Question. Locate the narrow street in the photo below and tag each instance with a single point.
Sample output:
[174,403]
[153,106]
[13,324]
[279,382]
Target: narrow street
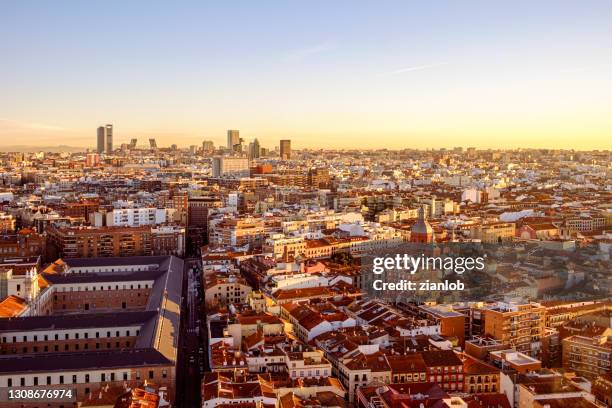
[188,364]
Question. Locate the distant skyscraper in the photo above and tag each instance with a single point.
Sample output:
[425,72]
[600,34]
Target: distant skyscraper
[152,143]
[101,139]
[109,139]
[105,139]
[208,146]
[285,149]
[133,143]
[233,139]
[254,149]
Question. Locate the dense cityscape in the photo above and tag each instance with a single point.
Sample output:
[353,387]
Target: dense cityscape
[139,275]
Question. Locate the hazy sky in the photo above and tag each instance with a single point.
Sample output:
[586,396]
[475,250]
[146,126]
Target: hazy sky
[323,73]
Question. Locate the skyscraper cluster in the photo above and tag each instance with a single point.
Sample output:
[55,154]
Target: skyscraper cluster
[105,139]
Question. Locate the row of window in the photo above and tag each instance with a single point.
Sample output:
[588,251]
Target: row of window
[453,369]
[78,379]
[56,347]
[101,288]
[309,374]
[67,336]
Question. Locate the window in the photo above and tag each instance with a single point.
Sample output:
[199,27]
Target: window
[22,381]
[86,378]
[35,380]
[74,378]
[150,374]
[61,379]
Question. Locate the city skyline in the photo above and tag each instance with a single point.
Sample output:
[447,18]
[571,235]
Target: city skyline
[395,76]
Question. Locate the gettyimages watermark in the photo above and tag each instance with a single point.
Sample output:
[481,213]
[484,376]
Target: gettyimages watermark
[411,265]
[455,272]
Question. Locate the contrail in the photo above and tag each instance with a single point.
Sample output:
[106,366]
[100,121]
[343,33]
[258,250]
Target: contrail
[415,68]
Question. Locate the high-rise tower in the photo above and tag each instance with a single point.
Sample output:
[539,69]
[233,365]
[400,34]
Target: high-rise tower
[101,139]
[109,139]
[233,139]
[285,149]
[105,139]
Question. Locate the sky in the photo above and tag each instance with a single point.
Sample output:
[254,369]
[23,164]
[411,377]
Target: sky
[326,74]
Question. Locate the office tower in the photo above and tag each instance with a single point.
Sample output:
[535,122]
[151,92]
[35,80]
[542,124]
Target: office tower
[152,143]
[230,166]
[101,139]
[105,139]
[254,149]
[208,146]
[109,138]
[285,149]
[133,143]
[233,139]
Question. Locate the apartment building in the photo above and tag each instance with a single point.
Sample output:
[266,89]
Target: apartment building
[445,368]
[226,289]
[135,217]
[280,246]
[480,377]
[310,321]
[589,357]
[494,232]
[519,325]
[585,222]
[237,232]
[89,242]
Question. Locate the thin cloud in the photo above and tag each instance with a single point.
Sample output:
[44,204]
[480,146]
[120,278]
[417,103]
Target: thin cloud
[8,124]
[587,68]
[414,68]
[302,53]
